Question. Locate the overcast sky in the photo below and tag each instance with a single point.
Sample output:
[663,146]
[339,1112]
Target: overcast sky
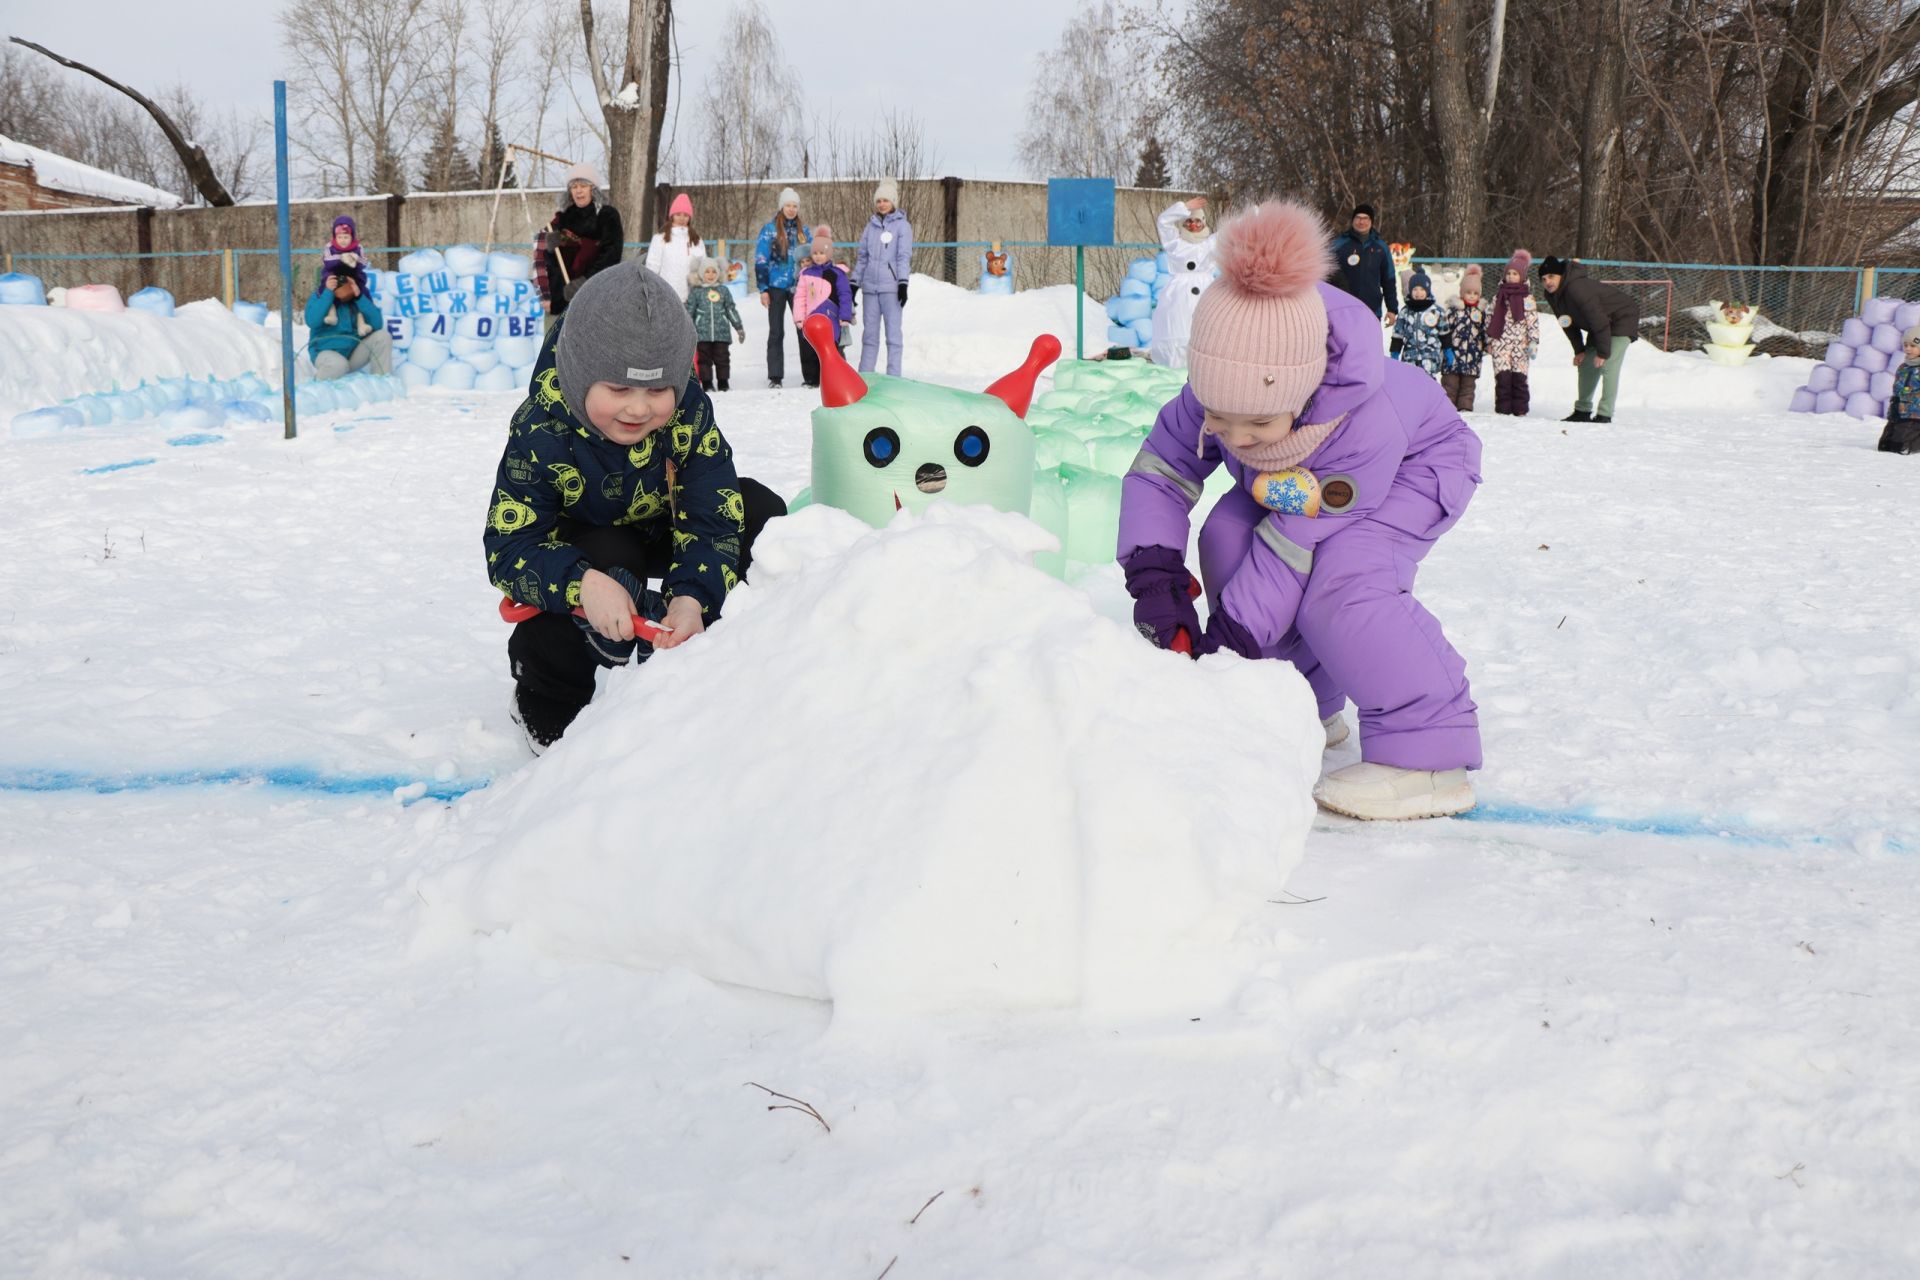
[963,69]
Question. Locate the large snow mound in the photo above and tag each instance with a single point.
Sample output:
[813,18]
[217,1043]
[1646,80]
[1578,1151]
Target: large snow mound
[909,773]
[50,354]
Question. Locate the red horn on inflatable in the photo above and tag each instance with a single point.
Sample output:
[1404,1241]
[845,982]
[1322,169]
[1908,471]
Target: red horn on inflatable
[1016,389]
[839,384]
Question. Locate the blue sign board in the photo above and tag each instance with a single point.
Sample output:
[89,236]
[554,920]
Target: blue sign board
[1080,211]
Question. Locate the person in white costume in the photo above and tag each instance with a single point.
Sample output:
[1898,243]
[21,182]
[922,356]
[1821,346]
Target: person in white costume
[1188,242]
[672,251]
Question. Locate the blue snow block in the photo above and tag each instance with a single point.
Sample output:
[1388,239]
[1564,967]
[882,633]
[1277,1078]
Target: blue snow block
[18,289]
[422,261]
[456,374]
[1160,267]
[1143,330]
[96,410]
[1135,288]
[498,378]
[152,299]
[54,419]
[254,312]
[996,286]
[1142,269]
[1127,310]
[1119,335]
[193,417]
[246,411]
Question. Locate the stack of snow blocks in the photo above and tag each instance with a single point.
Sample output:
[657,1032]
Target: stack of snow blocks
[462,318]
[1856,377]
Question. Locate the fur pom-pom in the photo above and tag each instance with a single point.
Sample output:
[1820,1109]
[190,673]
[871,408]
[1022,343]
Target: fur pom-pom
[1274,249]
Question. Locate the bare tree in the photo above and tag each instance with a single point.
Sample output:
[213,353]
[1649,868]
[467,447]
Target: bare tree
[358,68]
[192,158]
[1080,114]
[629,100]
[742,147]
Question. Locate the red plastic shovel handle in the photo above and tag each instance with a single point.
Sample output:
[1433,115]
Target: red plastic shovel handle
[645,628]
[1182,642]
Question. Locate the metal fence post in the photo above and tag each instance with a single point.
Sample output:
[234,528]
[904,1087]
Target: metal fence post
[286,253]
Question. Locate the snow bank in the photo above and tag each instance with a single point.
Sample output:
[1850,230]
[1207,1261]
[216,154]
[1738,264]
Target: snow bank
[50,354]
[952,332]
[910,773]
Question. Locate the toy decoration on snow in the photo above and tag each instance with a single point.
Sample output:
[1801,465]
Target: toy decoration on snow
[1730,334]
[1186,241]
[1856,377]
[463,319]
[996,271]
[884,444]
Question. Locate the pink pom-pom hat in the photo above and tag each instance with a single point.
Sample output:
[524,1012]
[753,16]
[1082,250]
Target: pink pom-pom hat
[1259,340]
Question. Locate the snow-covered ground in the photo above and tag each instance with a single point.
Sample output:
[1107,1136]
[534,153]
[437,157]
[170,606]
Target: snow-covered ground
[1652,1013]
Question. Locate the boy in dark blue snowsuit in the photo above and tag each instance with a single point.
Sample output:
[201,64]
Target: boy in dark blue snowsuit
[614,473]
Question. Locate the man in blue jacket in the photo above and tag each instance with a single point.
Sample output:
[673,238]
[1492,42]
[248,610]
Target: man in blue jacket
[1363,265]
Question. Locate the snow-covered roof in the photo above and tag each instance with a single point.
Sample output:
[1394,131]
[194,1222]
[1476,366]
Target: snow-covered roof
[61,174]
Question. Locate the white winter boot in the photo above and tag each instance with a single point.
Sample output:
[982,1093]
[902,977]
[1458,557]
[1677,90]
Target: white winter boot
[1382,791]
[1337,731]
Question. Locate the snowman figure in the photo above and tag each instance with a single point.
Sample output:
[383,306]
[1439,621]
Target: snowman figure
[1188,243]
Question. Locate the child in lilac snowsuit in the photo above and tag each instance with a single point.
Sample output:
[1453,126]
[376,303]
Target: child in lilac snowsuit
[1419,326]
[880,270]
[1347,467]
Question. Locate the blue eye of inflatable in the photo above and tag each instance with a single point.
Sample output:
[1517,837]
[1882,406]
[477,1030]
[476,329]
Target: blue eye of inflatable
[971,446]
[881,446]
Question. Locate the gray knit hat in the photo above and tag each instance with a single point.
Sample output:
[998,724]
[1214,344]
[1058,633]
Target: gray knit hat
[625,326]
[887,189]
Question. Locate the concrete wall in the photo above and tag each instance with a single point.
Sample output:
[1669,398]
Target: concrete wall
[940,209]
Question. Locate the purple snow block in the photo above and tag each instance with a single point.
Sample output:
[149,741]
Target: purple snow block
[1862,405]
[1872,359]
[1856,332]
[1851,381]
[1880,310]
[1839,354]
[1823,378]
[1829,402]
[1886,338]
[1907,316]
[1803,401]
[1880,386]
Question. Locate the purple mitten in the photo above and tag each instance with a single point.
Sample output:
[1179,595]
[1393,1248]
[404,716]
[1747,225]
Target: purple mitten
[1158,581]
[1223,633]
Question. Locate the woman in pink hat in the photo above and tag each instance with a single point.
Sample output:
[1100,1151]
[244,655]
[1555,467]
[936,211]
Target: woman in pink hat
[673,250]
[1346,467]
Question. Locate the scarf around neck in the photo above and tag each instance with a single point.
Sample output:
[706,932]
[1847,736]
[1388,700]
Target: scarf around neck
[1289,450]
[1510,299]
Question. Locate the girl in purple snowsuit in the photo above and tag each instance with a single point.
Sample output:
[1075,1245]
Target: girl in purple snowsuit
[1347,468]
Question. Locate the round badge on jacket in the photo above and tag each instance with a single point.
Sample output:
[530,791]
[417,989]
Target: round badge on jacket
[1566,322]
[713,295]
[1353,259]
[886,237]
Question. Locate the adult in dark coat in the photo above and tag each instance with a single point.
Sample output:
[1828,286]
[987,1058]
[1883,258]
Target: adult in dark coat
[585,232]
[1363,265]
[1599,321]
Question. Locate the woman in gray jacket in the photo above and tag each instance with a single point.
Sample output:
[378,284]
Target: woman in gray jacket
[880,270]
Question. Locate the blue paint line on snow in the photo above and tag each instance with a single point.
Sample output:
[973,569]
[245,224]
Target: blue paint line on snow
[375,417]
[283,777]
[1679,827]
[117,466]
[346,426]
[195,438]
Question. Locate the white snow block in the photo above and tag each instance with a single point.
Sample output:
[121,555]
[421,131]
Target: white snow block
[498,378]
[412,375]
[518,351]
[510,266]
[946,813]
[422,262]
[456,375]
[53,420]
[464,259]
[428,353]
